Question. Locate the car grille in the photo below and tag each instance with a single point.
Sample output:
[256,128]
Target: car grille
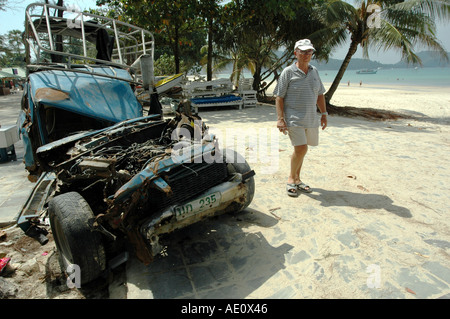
[188,180]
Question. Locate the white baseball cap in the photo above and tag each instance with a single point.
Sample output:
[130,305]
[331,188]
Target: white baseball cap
[303,45]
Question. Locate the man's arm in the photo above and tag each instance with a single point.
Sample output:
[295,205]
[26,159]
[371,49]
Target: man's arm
[281,123]
[323,109]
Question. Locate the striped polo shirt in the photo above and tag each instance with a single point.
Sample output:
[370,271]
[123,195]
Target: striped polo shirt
[300,92]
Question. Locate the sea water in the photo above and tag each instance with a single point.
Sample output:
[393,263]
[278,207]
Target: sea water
[439,77]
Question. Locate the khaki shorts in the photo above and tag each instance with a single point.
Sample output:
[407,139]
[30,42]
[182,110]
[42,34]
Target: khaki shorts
[302,136]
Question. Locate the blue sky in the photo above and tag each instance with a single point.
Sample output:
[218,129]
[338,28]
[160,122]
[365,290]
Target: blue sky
[14,19]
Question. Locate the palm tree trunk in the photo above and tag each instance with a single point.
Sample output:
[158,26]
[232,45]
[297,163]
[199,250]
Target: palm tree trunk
[210,50]
[236,75]
[257,77]
[340,74]
[176,50]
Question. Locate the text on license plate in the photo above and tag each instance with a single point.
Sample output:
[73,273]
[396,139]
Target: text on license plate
[198,205]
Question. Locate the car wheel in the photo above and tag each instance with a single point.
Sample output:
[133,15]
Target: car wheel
[76,242]
[238,164]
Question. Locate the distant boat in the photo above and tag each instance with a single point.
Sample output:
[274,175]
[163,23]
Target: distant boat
[367,71]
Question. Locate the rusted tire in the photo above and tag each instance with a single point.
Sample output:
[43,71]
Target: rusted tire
[76,242]
[238,164]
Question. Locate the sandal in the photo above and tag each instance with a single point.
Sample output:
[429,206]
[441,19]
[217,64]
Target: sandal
[291,190]
[304,188]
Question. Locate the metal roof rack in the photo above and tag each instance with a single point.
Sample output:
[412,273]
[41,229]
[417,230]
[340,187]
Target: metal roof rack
[65,38]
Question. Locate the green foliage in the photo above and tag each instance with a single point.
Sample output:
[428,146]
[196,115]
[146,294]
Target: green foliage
[12,50]
[245,33]
[250,31]
[173,24]
[165,65]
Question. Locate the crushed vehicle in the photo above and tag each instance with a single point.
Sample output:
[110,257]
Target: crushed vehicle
[108,176]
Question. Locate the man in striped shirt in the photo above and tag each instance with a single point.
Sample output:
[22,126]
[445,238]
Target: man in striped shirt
[299,92]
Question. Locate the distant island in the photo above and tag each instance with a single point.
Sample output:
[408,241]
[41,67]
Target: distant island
[429,59]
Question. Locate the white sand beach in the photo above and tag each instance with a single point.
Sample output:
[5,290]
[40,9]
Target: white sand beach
[420,101]
[381,198]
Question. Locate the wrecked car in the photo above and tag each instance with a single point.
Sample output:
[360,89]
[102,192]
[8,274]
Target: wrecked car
[110,170]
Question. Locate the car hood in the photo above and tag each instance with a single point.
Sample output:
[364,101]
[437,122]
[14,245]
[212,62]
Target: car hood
[91,95]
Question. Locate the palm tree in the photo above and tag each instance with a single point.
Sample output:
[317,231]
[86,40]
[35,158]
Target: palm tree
[260,51]
[399,25]
[221,61]
[240,63]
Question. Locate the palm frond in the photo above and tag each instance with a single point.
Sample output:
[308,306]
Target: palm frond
[439,9]
[391,37]
[405,26]
[333,37]
[338,11]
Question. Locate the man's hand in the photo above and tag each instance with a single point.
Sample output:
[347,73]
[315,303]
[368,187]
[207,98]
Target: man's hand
[322,105]
[323,122]
[281,125]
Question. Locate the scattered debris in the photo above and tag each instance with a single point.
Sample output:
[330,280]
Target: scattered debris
[362,188]
[30,266]
[34,272]
[272,212]
[3,263]
[410,291]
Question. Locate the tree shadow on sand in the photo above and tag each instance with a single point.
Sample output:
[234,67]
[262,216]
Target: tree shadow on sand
[247,115]
[358,200]
[367,113]
[351,111]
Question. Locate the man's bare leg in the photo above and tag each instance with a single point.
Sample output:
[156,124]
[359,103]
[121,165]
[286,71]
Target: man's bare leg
[296,163]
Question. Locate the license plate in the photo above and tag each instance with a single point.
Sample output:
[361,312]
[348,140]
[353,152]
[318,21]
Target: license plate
[198,205]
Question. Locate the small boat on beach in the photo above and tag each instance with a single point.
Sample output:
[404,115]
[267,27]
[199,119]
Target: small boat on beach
[166,83]
[163,85]
[367,71]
